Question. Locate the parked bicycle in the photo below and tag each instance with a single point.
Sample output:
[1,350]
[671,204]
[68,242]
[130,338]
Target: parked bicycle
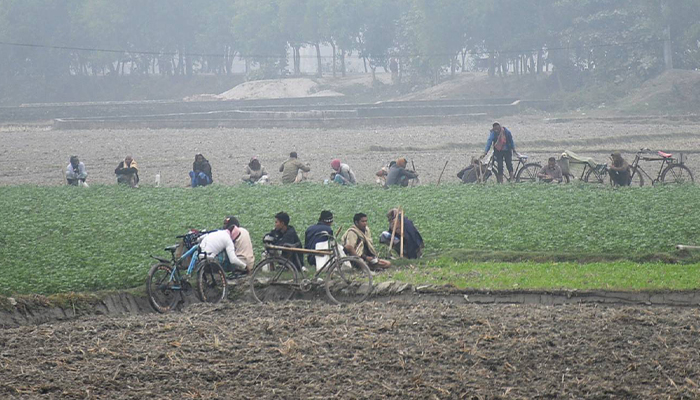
[166,284]
[523,171]
[591,171]
[347,279]
[672,170]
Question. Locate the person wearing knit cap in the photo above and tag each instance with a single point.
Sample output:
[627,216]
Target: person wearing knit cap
[398,174]
[343,173]
[255,172]
[318,233]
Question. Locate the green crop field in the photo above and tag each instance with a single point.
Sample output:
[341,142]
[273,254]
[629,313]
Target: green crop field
[58,239]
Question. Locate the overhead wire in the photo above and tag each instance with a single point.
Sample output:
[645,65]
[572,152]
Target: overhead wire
[271,56]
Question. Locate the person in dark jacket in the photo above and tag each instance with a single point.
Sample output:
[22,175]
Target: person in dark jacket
[285,235]
[412,240]
[317,233]
[201,172]
[128,172]
[398,174]
[619,170]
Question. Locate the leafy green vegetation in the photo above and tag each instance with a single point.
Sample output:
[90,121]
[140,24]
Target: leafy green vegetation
[61,239]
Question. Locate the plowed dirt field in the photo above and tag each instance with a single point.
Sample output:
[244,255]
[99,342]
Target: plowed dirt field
[408,348]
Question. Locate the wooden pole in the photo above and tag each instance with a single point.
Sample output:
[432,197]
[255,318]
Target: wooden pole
[684,247]
[443,171]
[401,248]
[393,233]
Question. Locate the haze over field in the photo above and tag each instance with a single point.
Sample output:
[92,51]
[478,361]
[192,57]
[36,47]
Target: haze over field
[129,50]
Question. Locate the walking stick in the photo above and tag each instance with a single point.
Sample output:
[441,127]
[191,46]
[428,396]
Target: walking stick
[401,251]
[443,171]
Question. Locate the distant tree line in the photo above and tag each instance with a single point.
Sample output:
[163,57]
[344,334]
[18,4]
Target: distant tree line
[600,39]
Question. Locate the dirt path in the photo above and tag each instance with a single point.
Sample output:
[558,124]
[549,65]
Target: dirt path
[397,349]
[38,156]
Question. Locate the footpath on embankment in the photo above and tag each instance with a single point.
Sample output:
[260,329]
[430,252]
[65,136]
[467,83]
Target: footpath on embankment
[38,309]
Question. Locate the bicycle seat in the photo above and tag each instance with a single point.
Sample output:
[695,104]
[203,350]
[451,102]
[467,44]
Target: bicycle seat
[524,157]
[171,248]
[665,155]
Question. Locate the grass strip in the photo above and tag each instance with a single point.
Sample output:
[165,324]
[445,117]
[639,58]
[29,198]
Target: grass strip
[621,275]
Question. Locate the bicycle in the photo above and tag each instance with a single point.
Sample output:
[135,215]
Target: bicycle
[592,172]
[275,278]
[523,172]
[165,281]
[671,170]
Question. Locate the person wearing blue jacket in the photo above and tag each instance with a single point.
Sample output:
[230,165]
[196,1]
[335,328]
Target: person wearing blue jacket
[503,148]
[318,233]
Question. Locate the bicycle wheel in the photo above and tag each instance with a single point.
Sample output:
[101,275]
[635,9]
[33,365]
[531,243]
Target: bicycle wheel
[349,281]
[528,173]
[597,175]
[211,282]
[677,173]
[273,279]
[637,179]
[159,287]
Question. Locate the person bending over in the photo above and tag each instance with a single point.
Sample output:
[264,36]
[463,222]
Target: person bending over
[344,171]
[398,175]
[220,246]
[242,242]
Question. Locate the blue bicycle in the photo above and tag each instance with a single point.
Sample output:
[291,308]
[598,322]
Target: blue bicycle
[166,285]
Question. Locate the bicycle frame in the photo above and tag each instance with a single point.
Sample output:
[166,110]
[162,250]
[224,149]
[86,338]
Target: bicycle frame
[175,275]
[665,162]
[493,169]
[333,254]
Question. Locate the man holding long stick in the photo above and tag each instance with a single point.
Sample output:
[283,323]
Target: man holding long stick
[402,228]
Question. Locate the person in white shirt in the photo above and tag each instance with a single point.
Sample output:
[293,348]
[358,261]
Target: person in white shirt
[241,239]
[219,245]
[75,172]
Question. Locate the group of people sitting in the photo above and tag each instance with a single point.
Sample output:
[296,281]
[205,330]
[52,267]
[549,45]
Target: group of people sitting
[232,246]
[293,171]
[396,173]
